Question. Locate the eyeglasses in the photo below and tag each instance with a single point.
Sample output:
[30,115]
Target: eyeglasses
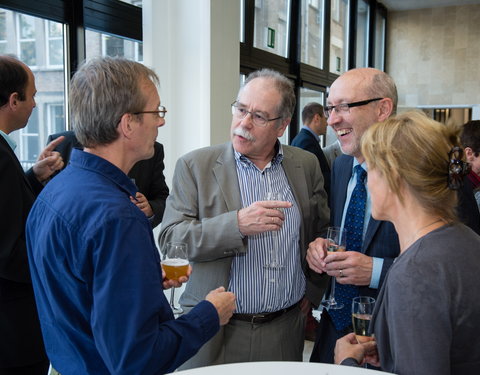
[257,118]
[345,107]
[160,112]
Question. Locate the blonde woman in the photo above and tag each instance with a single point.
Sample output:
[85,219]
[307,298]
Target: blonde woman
[427,316]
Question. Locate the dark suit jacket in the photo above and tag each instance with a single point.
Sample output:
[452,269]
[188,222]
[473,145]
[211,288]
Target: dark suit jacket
[307,141]
[148,174]
[21,342]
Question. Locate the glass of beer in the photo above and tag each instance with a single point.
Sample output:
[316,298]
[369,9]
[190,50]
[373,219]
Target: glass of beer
[362,309]
[175,265]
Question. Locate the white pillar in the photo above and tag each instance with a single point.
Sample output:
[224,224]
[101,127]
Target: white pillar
[194,48]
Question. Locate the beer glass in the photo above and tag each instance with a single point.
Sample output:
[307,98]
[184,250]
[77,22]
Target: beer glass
[337,241]
[175,265]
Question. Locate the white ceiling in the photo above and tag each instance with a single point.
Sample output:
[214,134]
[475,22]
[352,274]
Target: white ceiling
[394,5]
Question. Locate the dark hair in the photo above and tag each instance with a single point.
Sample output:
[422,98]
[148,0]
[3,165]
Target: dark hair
[310,110]
[471,136]
[13,78]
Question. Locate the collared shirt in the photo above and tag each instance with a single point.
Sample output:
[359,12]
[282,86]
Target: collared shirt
[377,262]
[11,142]
[311,131]
[97,278]
[257,287]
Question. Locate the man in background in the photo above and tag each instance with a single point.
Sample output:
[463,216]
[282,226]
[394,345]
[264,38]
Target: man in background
[94,263]
[238,239]
[471,143]
[147,175]
[314,125]
[21,345]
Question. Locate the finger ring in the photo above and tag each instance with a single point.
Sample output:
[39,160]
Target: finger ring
[341,273]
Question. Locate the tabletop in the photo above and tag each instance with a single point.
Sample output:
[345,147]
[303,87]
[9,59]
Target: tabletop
[279,368]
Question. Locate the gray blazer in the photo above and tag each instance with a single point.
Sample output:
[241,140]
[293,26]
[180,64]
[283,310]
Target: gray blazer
[202,211]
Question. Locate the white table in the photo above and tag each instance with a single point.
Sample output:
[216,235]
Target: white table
[279,368]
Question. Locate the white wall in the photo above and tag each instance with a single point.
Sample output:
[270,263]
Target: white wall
[194,48]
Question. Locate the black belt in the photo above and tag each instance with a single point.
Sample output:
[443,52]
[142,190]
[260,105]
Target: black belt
[263,317]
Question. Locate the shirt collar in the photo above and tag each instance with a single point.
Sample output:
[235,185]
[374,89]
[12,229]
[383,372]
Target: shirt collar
[277,159]
[9,140]
[355,163]
[86,160]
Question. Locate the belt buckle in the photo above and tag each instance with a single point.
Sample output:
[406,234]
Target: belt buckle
[255,316]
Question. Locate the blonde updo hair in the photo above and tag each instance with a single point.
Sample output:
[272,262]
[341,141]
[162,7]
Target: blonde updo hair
[413,149]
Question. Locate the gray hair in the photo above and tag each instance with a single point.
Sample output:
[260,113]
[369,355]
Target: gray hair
[101,92]
[382,85]
[284,86]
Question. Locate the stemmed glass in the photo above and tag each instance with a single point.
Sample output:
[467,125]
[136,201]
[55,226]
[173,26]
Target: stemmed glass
[275,248]
[337,241]
[362,309]
[175,265]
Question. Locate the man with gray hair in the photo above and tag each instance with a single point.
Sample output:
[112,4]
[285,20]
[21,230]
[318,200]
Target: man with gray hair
[239,239]
[95,267]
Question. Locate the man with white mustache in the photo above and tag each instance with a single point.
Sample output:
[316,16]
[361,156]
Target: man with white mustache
[236,238]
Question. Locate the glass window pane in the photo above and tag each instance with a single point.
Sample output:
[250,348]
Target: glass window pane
[100,44]
[379,41]
[27,38]
[271,28]
[339,36]
[312,27]
[242,21]
[307,96]
[363,16]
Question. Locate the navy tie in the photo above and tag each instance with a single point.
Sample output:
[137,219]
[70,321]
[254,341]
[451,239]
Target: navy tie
[354,219]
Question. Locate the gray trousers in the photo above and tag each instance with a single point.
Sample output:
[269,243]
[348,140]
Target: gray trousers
[282,339]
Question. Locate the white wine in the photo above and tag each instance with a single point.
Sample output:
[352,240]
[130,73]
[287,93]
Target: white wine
[333,247]
[361,325]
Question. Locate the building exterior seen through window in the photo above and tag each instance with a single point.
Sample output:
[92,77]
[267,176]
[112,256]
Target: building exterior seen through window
[339,36]
[39,43]
[312,30]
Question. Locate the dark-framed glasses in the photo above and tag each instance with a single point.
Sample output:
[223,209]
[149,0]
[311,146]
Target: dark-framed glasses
[457,168]
[258,119]
[160,112]
[345,107]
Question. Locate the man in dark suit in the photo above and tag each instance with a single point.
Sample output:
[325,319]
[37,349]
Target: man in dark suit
[314,125]
[21,345]
[146,174]
[357,99]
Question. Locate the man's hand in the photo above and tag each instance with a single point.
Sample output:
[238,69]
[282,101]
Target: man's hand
[261,216]
[48,161]
[142,203]
[167,283]
[348,347]
[224,302]
[349,267]
[316,253]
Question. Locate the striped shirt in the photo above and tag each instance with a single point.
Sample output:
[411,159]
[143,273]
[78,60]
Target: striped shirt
[257,287]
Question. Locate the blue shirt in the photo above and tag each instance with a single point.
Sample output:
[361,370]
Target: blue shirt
[257,287]
[97,278]
[377,262]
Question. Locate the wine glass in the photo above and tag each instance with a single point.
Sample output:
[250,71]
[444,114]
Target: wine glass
[275,248]
[175,265]
[362,309]
[337,240]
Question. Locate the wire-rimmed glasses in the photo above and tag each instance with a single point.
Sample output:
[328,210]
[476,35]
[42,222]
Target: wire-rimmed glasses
[258,119]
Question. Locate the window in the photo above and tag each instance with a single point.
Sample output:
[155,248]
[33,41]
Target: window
[26,39]
[308,95]
[271,30]
[339,36]
[3,32]
[55,44]
[100,44]
[380,40]
[363,19]
[312,30]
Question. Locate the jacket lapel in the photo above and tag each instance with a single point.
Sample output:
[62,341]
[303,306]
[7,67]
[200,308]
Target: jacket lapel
[226,175]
